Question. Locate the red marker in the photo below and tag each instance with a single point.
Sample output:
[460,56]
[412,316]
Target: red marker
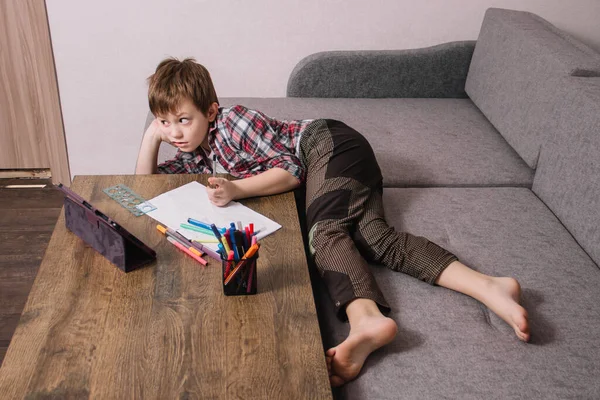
[229,262]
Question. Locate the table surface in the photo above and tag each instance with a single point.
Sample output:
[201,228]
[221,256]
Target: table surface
[166,330]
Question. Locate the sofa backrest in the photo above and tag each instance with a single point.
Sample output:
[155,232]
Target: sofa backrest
[431,72]
[568,175]
[513,75]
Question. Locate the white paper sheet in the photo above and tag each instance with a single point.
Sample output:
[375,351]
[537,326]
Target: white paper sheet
[191,201]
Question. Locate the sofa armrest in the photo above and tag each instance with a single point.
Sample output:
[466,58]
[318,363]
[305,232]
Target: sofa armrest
[437,71]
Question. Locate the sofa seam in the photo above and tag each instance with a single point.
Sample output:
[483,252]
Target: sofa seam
[566,229]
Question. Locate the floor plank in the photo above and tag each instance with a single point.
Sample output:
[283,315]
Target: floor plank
[27,219]
[18,199]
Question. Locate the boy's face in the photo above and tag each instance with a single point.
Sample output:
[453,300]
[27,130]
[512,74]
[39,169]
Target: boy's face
[187,128]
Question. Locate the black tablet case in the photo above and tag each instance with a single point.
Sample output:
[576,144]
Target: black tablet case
[106,236]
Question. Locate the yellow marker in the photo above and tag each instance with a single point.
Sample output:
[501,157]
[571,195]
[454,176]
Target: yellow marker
[206,241]
[225,244]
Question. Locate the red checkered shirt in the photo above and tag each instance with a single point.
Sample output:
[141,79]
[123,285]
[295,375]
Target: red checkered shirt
[246,143]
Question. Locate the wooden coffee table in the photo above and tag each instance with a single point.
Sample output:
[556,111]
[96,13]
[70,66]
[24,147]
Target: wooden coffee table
[166,331]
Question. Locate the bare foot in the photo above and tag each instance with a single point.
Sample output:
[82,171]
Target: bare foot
[502,296]
[499,294]
[345,361]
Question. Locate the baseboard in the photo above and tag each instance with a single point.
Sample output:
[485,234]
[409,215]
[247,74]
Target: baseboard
[31,173]
[25,178]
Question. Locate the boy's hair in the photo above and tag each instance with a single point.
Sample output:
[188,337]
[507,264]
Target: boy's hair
[174,81]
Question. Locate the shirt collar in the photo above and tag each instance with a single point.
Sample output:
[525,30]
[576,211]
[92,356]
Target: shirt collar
[191,155]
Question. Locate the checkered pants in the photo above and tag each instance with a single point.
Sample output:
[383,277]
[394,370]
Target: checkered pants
[345,218]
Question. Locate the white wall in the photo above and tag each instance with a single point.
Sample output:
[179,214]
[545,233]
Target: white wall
[104,51]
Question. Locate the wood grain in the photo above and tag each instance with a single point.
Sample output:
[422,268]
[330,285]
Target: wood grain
[31,126]
[27,219]
[167,331]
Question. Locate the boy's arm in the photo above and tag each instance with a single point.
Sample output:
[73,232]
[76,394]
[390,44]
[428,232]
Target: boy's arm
[148,155]
[272,181]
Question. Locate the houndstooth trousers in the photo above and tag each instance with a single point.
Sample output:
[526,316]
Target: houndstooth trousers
[345,218]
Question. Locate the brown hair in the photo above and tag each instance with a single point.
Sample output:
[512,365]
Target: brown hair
[174,81]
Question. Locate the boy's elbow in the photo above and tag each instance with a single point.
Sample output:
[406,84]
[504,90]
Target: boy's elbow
[283,175]
[283,180]
[293,182]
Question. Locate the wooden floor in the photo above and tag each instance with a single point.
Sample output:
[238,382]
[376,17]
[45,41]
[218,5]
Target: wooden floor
[27,219]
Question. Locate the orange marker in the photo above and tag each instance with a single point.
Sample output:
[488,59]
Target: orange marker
[179,238]
[187,251]
[249,254]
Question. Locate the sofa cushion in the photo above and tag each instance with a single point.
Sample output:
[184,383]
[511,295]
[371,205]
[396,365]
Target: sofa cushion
[512,75]
[448,344]
[568,174]
[417,142]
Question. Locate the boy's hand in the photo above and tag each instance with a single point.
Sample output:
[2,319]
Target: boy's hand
[221,191]
[155,132]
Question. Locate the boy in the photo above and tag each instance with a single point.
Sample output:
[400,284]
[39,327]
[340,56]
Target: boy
[344,208]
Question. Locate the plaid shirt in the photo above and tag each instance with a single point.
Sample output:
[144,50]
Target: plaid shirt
[246,143]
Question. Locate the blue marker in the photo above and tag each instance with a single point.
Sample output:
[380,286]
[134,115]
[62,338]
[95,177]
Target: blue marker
[215,231]
[199,223]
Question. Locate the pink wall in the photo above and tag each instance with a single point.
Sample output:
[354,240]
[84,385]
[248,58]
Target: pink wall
[104,50]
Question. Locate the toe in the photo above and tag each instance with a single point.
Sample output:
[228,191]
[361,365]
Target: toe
[521,322]
[524,336]
[522,330]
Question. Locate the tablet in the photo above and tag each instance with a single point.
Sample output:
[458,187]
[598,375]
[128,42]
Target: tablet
[103,234]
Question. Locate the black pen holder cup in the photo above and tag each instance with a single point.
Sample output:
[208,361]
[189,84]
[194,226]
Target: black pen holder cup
[243,281]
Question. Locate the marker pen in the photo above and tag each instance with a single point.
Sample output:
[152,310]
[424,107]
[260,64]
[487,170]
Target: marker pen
[186,250]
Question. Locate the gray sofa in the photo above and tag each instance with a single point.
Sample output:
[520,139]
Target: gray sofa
[490,148]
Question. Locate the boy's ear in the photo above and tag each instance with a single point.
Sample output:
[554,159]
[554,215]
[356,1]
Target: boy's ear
[212,111]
